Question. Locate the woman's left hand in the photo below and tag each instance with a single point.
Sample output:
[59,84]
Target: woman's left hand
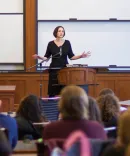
[84,54]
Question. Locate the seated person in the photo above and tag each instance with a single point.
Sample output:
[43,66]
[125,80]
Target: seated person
[122,145]
[73,107]
[5,148]
[106,91]
[94,111]
[10,124]
[110,110]
[28,113]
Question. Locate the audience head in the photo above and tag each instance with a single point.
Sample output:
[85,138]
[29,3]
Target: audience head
[94,111]
[5,148]
[106,91]
[109,106]
[73,103]
[30,109]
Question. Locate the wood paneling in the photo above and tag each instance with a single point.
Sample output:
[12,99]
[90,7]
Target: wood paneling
[30,83]
[7,96]
[30,33]
[25,84]
[119,83]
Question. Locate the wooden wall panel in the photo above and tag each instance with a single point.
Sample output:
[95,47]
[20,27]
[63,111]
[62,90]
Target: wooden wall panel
[105,84]
[123,88]
[30,33]
[119,83]
[20,86]
[27,83]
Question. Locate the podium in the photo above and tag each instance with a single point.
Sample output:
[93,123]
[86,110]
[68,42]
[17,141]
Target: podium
[80,76]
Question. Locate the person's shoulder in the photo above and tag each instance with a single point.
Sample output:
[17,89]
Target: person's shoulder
[53,124]
[7,119]
[67,41]
[94,124]
[51,42]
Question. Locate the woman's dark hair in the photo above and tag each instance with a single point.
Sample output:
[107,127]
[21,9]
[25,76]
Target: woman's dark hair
[109,107]
[30,109]
[56,31]
[94,111]
[5,148]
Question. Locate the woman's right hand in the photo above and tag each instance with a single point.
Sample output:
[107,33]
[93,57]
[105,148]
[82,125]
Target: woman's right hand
[35,56]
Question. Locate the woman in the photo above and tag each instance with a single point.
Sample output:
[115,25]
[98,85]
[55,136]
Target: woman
[10,125]
[73,107]
[94,111]
[28,113]
[110,111]
[106,91]
[58,50]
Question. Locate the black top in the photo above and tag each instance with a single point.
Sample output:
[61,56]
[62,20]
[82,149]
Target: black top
[59,54]
[26,127]
[112,123]
[114,151]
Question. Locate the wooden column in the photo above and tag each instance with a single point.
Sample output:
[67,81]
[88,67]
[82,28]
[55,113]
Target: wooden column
[30,33]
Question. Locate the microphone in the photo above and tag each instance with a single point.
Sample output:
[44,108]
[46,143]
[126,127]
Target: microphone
[59,53]
[60,50]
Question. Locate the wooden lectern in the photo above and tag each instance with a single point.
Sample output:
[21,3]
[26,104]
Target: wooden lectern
[7,97]
[77,76]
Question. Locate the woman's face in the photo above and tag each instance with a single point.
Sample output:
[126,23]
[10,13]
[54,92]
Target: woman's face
[60,33]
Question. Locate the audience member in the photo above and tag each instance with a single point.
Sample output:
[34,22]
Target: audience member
[94,111]
[110,109]
[28,113]
[9,123]
[122,146]
[106,91]
[5,148]
[73,107]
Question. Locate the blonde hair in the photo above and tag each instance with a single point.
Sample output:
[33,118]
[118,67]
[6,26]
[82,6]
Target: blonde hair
[74,103]
[124,128]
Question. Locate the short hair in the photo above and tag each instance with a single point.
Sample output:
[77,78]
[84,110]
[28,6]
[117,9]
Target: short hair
[94,111]
[106,91]
[56,31]
[109,107]
[73,103]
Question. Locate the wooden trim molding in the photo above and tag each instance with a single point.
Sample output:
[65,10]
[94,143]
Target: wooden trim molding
[30,33]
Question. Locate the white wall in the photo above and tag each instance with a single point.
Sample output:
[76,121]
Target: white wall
[83,9]
[11,6]
[109,42]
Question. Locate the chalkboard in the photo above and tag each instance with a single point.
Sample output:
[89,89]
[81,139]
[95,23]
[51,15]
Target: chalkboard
[83,9]
[109,42]
[11,39]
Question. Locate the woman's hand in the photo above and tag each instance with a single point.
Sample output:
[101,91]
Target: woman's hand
[35,56]
[84,54]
